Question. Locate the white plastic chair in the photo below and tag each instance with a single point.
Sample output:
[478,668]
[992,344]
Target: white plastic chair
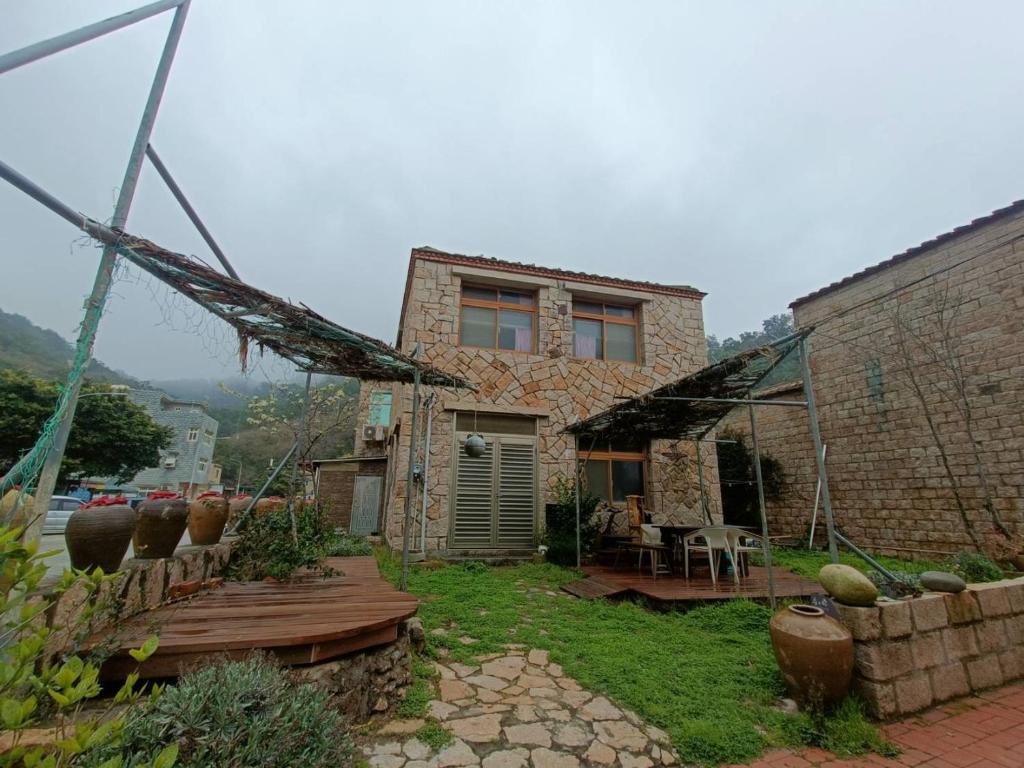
[739,541]
[713,540]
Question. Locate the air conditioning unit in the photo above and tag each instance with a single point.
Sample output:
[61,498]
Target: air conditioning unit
[375,433]
[170,462]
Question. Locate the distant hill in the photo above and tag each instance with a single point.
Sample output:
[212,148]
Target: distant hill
[45,353]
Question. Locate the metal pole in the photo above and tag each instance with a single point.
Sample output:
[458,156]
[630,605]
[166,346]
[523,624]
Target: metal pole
[45,48]
[301,443]
[817,499]
[426,469]
[735,401]
[705,511]
[105,273]
[867,558]
[259,494]
[189,210]
[406,533]
[767,547]
[819,452]
[579,559]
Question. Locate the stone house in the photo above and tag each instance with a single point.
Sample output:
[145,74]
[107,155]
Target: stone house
[918,373]
[545,347]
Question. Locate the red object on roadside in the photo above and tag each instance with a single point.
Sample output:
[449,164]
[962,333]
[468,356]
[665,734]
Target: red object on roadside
[164,495]
[105,501]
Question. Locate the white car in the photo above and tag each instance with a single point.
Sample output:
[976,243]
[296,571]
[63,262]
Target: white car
[61,508]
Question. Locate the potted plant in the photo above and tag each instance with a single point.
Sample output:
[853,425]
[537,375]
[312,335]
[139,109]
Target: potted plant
[97,533]
[160,522]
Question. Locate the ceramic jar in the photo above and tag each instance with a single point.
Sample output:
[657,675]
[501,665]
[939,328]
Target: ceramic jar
[97,534]
[207,516]
[160,522]
[815,654]
[237,506]
[269,504]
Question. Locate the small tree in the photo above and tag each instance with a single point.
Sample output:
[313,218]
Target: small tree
[740,504]
[560,530]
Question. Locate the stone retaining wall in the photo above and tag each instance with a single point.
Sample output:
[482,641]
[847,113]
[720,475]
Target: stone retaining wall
[912,654]
[141,585]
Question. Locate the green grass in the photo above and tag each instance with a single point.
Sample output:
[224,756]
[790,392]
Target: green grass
[708,676]
[434,736]
[807,563]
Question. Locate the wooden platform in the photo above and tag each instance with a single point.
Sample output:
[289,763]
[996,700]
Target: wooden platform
[605,581]
[300,622]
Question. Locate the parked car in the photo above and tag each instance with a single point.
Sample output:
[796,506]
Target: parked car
[61,508]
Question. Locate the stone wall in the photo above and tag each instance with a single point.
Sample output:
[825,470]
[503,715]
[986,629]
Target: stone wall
[911,654]
[551,385]
[141,585]
[373,681]
[887,354]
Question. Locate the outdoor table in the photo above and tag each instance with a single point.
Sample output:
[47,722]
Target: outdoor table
[669,533]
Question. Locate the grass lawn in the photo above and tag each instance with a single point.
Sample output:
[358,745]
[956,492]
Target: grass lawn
[807,563]
[707,677]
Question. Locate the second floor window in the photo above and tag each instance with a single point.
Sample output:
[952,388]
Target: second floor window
[193,434]
[604,331]
[497,318]
[380,409]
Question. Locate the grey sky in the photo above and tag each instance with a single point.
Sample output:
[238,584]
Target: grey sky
[754,150]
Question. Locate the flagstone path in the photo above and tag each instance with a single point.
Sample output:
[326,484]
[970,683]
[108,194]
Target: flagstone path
[515,710]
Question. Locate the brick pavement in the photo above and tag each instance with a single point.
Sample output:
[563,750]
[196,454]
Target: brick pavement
[982,731]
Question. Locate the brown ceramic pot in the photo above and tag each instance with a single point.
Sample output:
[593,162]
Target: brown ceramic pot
[159,524]
[99,536]
[207,516]
[269,504]
[237,506]
[815,654]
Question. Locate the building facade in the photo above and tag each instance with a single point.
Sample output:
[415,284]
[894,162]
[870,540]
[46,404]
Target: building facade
[544,348]
[186,465]
[918,373]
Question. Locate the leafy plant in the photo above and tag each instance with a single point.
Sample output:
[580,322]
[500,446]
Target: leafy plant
[739,481]
[344,545]
[560,528]
[237,713]
[904,585]
[974,567]
[434,736]
[34,686]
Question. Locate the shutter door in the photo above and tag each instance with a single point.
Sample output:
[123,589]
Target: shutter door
[474,499]
[516,493]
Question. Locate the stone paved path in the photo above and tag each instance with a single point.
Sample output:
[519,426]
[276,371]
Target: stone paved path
[515,710]
[981,732]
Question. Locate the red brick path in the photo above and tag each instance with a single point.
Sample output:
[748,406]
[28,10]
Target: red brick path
[983,731]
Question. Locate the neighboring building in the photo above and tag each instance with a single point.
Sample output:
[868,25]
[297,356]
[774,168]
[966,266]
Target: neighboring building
[545,347]
[186,465]
[918,371]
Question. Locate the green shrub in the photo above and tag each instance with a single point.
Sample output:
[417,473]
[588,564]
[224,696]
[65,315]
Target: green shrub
[974,567]
[560,528]
[905,584]
[344,545]
[238,713]
[434,736]
[845,731]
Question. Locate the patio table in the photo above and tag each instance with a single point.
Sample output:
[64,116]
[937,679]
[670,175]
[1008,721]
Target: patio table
[669,533]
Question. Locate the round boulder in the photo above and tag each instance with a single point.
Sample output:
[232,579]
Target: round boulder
[847,585]
[940,581]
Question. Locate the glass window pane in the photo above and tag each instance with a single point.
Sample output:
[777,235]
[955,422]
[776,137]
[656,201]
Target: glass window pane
[596,474]
[516,331]
[615,311]
[477,327]
[380,408]
[588,307]
[482,294]
[588,341]
[627,479]
[626,445]
[621,342]
[514,297]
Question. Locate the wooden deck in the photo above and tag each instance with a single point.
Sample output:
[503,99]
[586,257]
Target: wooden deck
[605,581]
[300,622]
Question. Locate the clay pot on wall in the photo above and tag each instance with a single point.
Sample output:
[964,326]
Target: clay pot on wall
[269,504]
[815,654]
[159,523]
[97,533]
[237,506]
[207,516]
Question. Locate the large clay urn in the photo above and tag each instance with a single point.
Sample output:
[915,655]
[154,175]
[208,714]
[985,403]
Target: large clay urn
[97,533]
[159,523]
[237,506]
[207,516]
[815,654]
[269,504]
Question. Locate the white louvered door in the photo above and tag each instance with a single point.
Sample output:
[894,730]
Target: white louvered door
[495,494]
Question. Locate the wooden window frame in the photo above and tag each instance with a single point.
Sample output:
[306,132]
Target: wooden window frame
[607,456]
[497,305]
[604,318]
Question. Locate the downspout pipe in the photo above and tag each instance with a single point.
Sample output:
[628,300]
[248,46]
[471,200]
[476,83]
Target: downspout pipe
[426,472]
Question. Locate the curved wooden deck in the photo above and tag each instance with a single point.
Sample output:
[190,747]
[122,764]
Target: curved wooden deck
[300,622]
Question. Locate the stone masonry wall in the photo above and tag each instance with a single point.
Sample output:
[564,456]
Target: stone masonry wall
[552,385]
[889,486]
[141,585]
[784,434]
[911,654]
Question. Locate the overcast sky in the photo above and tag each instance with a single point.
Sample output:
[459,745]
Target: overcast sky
[755,150]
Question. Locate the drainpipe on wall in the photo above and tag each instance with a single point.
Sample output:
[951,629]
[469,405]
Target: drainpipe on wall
[429,405]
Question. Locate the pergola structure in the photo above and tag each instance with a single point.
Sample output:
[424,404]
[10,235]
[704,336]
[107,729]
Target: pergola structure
[689,408]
